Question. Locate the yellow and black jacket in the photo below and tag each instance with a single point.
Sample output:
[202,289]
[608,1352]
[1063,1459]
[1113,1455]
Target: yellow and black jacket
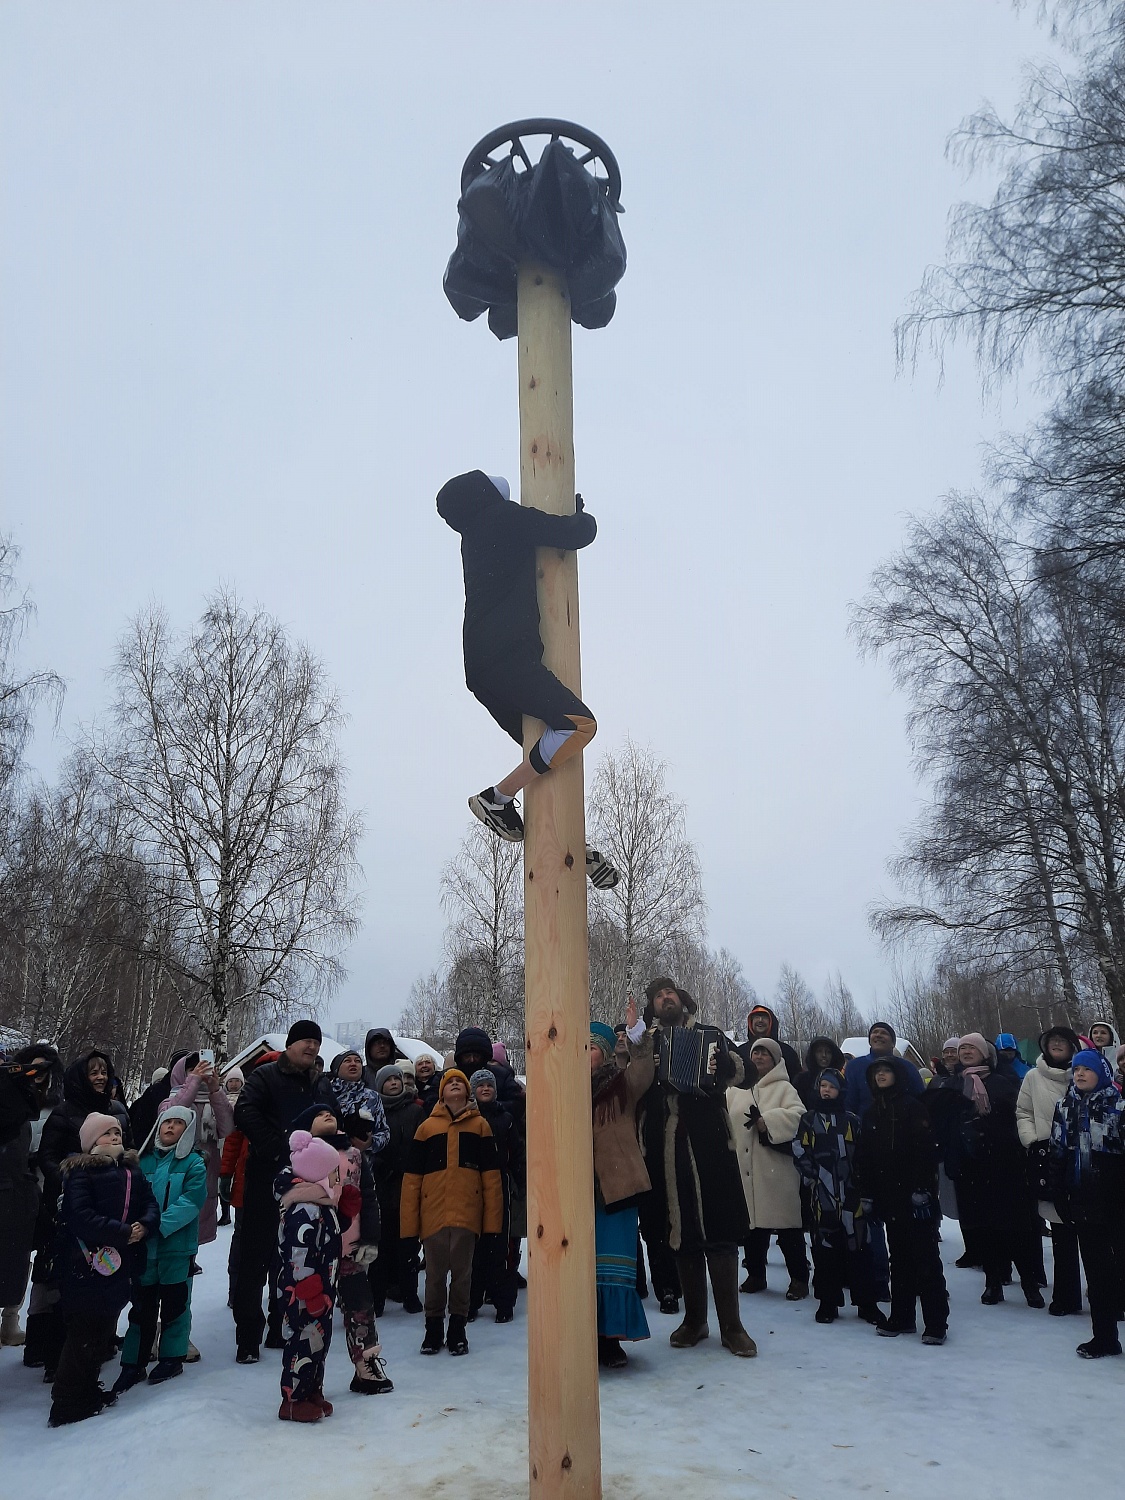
[452,1177]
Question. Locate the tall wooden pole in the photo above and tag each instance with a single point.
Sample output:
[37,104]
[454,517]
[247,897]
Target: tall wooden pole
[563,1414]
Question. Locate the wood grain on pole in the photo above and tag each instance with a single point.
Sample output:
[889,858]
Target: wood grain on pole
[563,1413]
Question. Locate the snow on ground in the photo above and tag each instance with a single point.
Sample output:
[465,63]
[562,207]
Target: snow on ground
[1004,1409]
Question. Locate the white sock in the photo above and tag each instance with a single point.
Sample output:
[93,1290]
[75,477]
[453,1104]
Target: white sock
[501,799]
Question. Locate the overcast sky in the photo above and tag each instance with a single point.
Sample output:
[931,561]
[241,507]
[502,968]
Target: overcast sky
[226,356]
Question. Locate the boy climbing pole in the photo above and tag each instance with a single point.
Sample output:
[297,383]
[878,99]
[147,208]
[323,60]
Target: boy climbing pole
[503,649]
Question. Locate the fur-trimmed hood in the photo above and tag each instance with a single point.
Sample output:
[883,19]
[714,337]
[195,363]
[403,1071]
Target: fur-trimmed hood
[87,1159]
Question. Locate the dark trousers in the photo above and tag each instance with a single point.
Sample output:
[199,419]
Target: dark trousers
[916,1273]
[836,1267]
[491,1278]
[1067,1289]
[233,1254]
[791,1243]
[1103,1256]
[397,1263]
[449,1258]
[168,1305]
[663,1275]
[76,1392]
[1014,1242]
[257,1260]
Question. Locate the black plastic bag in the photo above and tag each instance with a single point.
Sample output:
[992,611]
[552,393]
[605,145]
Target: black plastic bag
[555,212]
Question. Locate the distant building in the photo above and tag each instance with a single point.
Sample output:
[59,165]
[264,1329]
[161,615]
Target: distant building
[351,1034]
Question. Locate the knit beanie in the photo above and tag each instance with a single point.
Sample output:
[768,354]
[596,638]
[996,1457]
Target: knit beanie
[392,1070]
[770,1046]
[886,1026]
[303,1031]
[313,1160]
[334,1066]
[982,1044]
[1091,1058]
[482,1075]
[406,1067]
[446,1076]
[500,1053]
[602,1037]
[950,1041]
[93,1126]
[304,1121]
[236,1073]
[834,1075]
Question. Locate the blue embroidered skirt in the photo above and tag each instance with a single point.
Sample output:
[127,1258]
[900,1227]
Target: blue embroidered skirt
[621,1313]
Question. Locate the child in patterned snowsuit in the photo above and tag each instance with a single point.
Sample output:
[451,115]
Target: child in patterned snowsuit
[312,1198]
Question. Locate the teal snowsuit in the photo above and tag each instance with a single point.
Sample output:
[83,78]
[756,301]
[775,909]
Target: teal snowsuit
[179,1185]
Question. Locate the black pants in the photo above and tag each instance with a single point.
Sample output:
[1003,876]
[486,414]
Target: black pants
[257,1259]
[152,1305]
[397,1262]
[76,1392]
[916,1273]
[491,1277]
[1067,1289]
[1013,1242]
[791,1243]
[1103,1256]
[836,1267]
[661,1262]
[519,684]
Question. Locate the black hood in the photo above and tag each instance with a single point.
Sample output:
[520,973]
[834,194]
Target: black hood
[79,1091]
[381,1031]
[838,1063]
[461,500]
[901,1077]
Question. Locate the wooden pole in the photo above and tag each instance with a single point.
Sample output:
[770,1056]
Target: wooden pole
[563,1415]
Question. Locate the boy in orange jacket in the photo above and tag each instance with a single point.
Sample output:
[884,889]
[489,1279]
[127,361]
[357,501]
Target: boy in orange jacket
[451,1195]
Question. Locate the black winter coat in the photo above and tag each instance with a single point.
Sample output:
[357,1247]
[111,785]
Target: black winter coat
[896,1154]
[982,1153]
[498,542]
[272,1097]
[404,1116]
[692,1163]
[805,1082]
[60,1137]
[93,1211]
[19,1186]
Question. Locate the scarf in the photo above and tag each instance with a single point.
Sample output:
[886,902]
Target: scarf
[1085,1124]
[607,1091]
[972,1080]
[352,1095]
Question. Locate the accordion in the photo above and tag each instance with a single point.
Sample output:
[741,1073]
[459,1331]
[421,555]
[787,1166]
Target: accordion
[684,1056]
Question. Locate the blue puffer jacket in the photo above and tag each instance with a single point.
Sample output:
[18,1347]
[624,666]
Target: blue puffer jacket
[93,1213]
[1007,1042]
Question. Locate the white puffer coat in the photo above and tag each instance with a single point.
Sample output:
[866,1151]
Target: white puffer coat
[769,1177]
[1040,1091]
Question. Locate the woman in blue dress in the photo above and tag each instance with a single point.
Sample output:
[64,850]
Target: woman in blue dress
[620,1180]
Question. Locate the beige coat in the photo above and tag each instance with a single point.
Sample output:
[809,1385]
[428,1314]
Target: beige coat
[1040,1091]
[769,1178]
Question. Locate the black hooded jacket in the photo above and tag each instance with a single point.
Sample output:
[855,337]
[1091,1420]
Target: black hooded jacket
[498,542]
[788,1054]
[896,1154]
[60,1137]
[370,1069]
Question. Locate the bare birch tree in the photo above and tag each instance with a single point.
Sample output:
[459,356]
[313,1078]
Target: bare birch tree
[482,894]
[222,753]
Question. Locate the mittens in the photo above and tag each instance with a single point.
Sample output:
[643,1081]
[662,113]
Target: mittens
[310,1292]
[351,1200]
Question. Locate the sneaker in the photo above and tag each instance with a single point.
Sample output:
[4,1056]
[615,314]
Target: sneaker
[1096,1350]
[892,1330]
[435,1336]
[670,1304]
[934,1336]
[502,817]
[455,1340]
[166,1369]
[599,870]
[363,1386]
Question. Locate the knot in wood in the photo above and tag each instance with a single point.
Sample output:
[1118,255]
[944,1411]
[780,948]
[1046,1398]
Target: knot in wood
[565,1243]
[567,1461]
[569,861]
[539,1233]
[553,1033]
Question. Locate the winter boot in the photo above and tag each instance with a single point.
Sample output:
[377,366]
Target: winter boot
[992,1295]
[317,1398]
[455,1340]
[611,1356]
[410,1303]
[693,1283]
[827,1312]
[435,1336]
[165,1369]
[371,1378]
[12,1335]
[723,1269]
[1098,1349]
[669,1304]
[130,1376]
[935,1337]
[798,1291]
[193,1356]
[299,1411]
[871,1312]
[753,1283]
[1032,1295]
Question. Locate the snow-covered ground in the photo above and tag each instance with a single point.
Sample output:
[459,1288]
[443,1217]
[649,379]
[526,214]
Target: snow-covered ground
[1005,1409]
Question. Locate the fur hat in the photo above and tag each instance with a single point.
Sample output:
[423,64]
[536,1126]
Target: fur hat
[313,1160]
[482,1075]
[94,1125]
